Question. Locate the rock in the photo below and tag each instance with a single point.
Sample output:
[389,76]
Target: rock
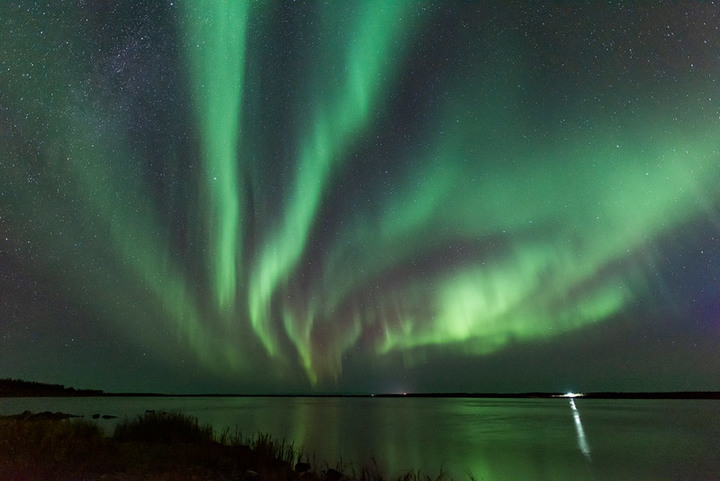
[96,416]
[301,467]
[43,416]
[109,416]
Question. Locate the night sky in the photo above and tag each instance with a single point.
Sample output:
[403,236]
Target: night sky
[378,196]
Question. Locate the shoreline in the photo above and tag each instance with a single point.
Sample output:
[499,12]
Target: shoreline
[155,446]
[20,388]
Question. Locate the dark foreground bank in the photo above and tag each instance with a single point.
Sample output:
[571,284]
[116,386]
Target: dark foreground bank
[156,446]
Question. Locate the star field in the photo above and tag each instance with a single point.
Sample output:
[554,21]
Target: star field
[360,196]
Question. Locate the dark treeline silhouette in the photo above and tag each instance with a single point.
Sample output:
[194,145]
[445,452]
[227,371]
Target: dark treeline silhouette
[20,388]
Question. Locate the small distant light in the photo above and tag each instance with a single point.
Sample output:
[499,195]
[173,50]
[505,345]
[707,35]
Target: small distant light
[573,394]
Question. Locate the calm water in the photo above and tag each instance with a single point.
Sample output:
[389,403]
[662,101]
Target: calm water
[496,439]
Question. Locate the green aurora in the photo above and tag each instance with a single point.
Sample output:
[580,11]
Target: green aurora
[277,197]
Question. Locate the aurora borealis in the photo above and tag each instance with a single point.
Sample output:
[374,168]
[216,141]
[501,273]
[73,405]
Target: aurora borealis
[360,196]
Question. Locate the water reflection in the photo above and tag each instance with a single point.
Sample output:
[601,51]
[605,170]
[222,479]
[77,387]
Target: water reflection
[582,440]
[490,439]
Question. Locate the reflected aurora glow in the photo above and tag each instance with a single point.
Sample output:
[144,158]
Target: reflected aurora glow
[332,196]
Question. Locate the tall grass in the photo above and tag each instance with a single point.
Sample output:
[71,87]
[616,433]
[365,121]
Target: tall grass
[159,446]
[265,447]
[41,449]
[261,453]
[164,428]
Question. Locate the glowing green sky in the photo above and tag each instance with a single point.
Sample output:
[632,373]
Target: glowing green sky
[360,196]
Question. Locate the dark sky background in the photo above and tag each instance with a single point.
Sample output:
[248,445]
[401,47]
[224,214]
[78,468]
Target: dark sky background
[207,196]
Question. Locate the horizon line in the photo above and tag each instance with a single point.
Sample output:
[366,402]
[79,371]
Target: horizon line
[528,394]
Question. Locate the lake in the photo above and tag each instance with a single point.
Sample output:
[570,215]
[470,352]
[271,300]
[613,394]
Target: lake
[464,438]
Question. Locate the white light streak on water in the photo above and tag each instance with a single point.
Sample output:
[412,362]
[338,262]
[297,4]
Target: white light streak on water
[582,440]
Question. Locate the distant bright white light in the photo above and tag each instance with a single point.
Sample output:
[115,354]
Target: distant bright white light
[573,394]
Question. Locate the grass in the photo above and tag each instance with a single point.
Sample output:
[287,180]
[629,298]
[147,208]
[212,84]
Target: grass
[38,449]
[156,446]
[163,428]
